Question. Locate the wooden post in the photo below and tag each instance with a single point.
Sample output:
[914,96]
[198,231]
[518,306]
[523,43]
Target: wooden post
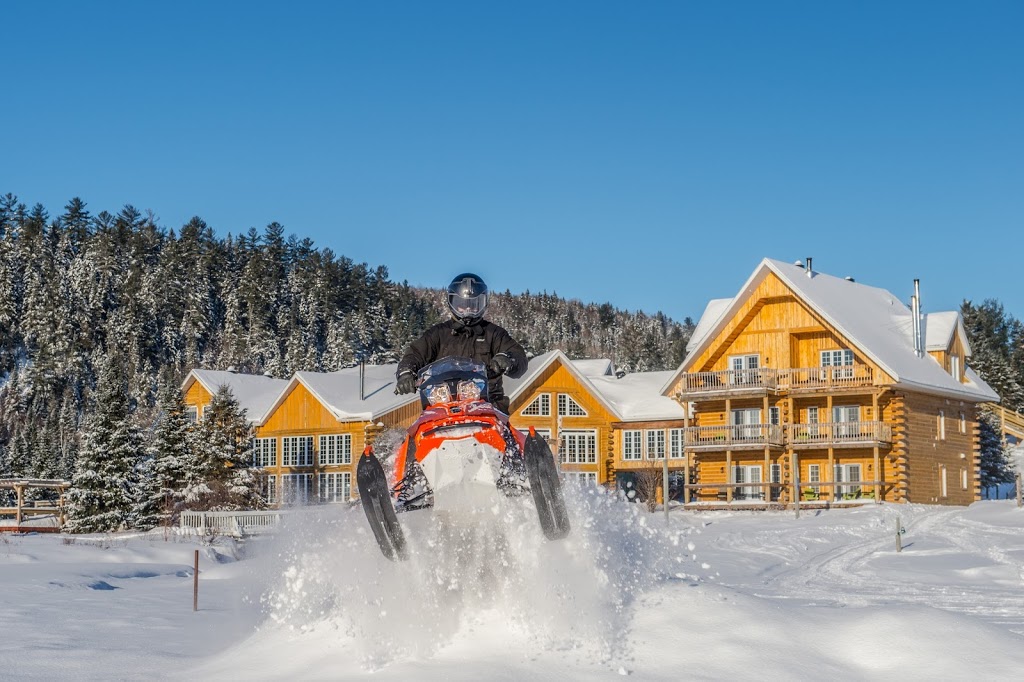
[20,490]
[728,475]
[795,459]
[195,583]
[899,535]
[686,477]
[877,458]
[664,482]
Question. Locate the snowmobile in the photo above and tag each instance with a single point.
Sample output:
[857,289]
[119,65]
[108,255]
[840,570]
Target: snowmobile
[456,455]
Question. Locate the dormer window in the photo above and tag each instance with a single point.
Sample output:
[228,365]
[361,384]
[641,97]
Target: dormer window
[954,366]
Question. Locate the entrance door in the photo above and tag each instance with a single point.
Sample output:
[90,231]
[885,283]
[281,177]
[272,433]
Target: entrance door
[846,419]
[747,423]
[744,369]
[849,473]
[747,474]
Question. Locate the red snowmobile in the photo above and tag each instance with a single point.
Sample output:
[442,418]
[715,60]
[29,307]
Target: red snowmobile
[459,451]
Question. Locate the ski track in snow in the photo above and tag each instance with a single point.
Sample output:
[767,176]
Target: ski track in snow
[846,573]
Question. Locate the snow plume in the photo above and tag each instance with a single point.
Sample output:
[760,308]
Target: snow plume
[488,574]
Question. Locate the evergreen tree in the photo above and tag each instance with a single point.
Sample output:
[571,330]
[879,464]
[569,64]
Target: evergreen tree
[168,455]
[102,496]
[221,476]
[996,467]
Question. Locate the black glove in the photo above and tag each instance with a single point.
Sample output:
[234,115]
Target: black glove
[406,383]
[500,364]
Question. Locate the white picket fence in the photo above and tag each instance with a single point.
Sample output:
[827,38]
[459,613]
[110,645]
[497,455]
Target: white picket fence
[235,523]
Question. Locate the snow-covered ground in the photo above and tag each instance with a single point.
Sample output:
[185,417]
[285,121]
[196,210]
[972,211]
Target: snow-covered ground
[716,595]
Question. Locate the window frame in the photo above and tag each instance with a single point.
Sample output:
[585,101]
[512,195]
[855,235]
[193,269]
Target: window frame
[543,403]
[259,452]
[303,456]
[570,403]
[334,487]
[339,456]
[579,442]
[289,497]
[676,443]
[652,443]
[632,445]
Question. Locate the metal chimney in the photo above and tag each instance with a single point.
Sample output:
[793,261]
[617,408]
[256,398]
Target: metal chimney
[918,327]
[810,273]
[362,380]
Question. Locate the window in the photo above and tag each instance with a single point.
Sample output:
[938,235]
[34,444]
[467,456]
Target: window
[744,369]
[773,416]
[942,425]
[954,366]
[846,418]
[567,407]
[963,479]
[540,407]
[747,474]
[297,451]
[264,452]
[632,446]
[676,448]
[812,419]
[747,423]
[963,423]
[814,473]
[943,481]
[578,447]
[841,362]
[848,473]
[581,478]
[543,433]
[655,444]
[335,487]
[775,474]
[295,488]
[269,489]
[192,414]
[336,449]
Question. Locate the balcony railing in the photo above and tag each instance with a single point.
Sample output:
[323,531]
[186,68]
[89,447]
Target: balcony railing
[737,381]
[746,435]
[838,433]
[729,381]
[816,378]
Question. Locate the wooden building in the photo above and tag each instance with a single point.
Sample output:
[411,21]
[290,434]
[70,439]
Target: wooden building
[309,429]
[604,428]
[809,379]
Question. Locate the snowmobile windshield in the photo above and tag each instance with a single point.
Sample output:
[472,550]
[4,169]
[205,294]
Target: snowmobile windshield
[452,378]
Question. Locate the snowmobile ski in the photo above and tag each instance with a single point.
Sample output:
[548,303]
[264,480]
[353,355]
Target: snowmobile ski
[376,498]
[546,487]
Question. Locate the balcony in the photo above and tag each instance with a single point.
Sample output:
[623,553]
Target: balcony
[733,437]
[746,382]
[729,382]
[826,378]
[839,434]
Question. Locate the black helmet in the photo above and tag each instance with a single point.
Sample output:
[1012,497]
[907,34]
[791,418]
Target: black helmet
[467,297]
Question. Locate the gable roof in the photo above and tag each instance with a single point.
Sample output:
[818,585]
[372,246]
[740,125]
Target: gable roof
[339,392]
[255,393]
[633,397]
[872,319]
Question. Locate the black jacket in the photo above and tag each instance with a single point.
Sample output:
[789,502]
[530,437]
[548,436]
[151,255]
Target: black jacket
[480,342]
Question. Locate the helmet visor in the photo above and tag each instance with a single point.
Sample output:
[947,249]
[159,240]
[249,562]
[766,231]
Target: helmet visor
[467,307]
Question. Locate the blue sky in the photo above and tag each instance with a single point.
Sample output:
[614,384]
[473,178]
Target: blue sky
[646,154]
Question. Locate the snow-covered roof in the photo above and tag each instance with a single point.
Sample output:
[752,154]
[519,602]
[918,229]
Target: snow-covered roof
[255,393]
[634,397]
[872,319]
[596,367]
[713,311]
[339,391]
[637,396]
[939,329]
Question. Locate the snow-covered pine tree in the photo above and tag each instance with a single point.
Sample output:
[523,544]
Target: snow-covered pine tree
[226,479]
[996,467]
[103,489]
[169,452]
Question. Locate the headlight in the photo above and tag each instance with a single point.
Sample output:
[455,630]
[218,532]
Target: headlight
[438,394]
[470,390]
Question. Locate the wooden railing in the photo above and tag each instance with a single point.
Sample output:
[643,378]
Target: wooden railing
[235,523]
[730,380]
[731,436]
[848,376]
[733,381]
[838,433]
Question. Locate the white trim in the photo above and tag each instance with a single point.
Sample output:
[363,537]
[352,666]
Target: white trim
[577,446]
[335,486]
[296,489]
[264,452]
[296,451]
[570,403]
[543,403]
[334,448]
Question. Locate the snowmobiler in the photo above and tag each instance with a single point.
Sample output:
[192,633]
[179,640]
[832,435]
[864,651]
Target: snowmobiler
[456,455]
